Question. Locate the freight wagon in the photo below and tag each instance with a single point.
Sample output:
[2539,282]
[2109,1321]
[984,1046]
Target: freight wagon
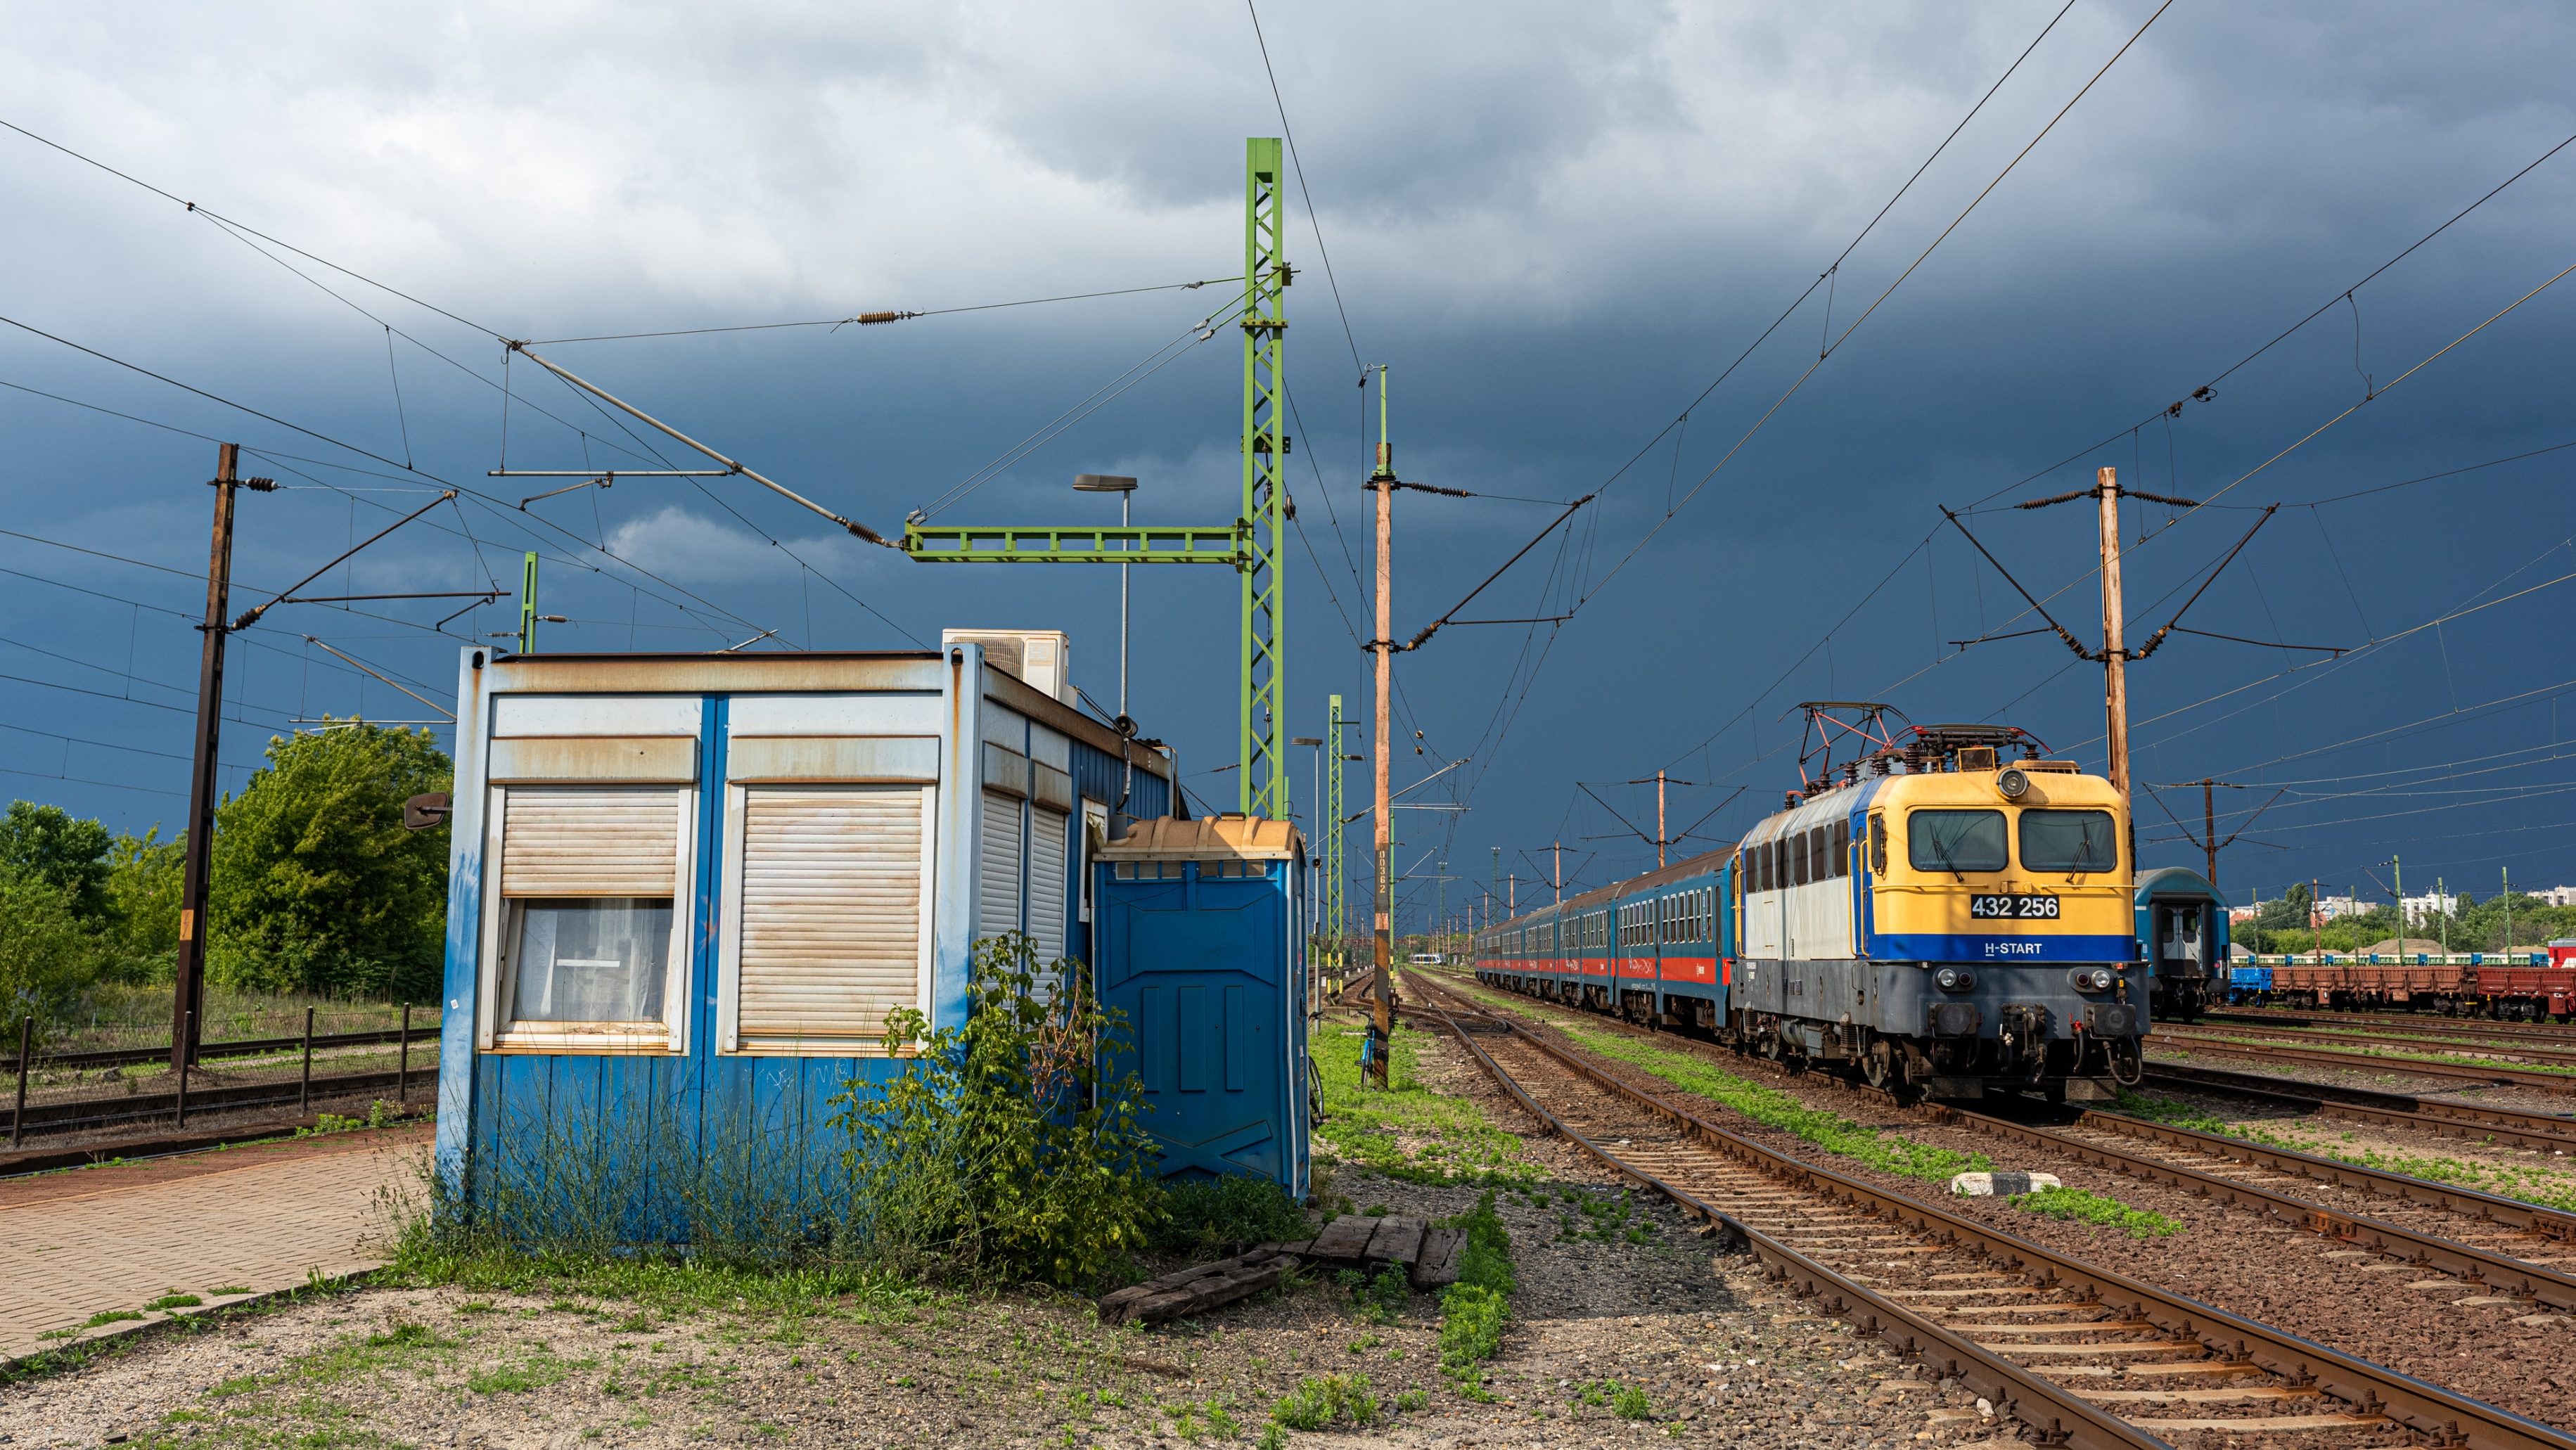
[2525,986]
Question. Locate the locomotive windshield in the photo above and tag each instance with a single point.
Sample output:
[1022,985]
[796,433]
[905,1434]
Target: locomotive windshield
[2068,841]
[1956,840]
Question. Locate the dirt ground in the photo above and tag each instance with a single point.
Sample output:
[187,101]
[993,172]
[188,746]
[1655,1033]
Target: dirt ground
[1616,1293]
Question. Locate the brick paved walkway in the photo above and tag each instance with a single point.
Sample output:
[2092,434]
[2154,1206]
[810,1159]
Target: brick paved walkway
[106,1239]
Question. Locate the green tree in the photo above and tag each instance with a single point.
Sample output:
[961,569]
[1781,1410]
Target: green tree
[49,955]
[144,874]
[317,887]
[59,848]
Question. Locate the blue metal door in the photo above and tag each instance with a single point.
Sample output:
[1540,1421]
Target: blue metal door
[1200,968]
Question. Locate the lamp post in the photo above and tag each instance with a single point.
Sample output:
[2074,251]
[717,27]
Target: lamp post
[1125,487]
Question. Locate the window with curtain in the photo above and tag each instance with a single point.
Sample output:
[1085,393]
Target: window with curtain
[588,884]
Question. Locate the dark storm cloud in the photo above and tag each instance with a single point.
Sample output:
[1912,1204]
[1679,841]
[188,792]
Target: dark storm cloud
[1557,224]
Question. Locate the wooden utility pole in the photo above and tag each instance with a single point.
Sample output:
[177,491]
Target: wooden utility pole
[2209,827]
[1660,842]
[2115,657]
[187,1009]
[1382,483]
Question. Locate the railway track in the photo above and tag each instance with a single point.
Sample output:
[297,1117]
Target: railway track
[2546,1032]
[2499,1074]
[219,1051]
[2546,1132]
[87,1114]
[2082,1356]
[2556,1055]
[2496,1247]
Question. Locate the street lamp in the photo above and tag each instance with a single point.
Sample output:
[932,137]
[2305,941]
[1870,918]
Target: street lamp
[1125,487]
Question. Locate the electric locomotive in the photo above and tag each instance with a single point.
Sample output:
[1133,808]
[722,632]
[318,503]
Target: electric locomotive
[1936,919]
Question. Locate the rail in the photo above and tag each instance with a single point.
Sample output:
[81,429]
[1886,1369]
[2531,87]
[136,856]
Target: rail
[86,1113]
[2441,1117]
[427,1027]
[2355,1061]
[2425,1408]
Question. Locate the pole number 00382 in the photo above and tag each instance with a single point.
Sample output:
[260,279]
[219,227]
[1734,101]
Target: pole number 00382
[2013,908]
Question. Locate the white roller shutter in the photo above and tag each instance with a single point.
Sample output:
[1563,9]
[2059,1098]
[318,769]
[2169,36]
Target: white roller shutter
[831,936]
[997,874]
[590,841]
[1049,831]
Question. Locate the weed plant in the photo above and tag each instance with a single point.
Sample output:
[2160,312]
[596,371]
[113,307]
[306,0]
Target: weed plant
[1218,1215]
[1324,1400]
[1474,1310]
[1000,1153]
[2075,1203]
[1007,1151]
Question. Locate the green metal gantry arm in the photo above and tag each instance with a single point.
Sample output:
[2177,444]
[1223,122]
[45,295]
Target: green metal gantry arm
[1251,544]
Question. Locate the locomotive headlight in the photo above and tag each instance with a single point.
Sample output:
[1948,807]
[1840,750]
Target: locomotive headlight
[2092,979]
[2013,783]
[1954,979]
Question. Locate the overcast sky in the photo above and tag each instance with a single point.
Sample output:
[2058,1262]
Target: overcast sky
[1556,224]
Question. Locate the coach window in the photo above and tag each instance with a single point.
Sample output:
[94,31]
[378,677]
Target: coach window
[1955,840]
[1842,848]
[2069,841]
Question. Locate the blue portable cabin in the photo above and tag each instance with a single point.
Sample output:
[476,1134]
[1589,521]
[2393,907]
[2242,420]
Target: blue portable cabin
[2182,934]
[1200,945]
[685,891]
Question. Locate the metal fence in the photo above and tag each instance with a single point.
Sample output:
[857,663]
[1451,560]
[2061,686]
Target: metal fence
[114,1079]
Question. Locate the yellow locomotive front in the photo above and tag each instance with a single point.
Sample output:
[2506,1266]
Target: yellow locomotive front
[1975,935]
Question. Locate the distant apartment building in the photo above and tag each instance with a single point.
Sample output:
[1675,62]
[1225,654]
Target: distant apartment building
[2558,895]
[2330,907]
[2434,903]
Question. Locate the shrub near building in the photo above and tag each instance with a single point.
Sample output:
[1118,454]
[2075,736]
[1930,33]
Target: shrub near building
[317,887]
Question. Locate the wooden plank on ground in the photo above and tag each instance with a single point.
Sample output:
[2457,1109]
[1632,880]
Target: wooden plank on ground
[1437,1263]
[1343,1240]
[1398,1240]
[1195,1290]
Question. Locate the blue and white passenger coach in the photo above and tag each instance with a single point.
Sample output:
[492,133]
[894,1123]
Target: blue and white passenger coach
[1936,919]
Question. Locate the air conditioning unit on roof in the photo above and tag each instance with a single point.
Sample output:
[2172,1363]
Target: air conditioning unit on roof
[1042,659]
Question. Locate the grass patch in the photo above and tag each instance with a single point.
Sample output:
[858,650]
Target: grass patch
[542,1367]
[172,1301]
[2547,1187]
[2076,1204]
[1228,1212]
[109,1316]
[222,1290]
[1628,1402]
[1324,1400]
[1474,1310]
[1885,1151]
[1450,1137]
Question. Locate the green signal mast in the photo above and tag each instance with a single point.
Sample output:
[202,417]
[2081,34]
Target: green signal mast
[1251,544]
[1337,902]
